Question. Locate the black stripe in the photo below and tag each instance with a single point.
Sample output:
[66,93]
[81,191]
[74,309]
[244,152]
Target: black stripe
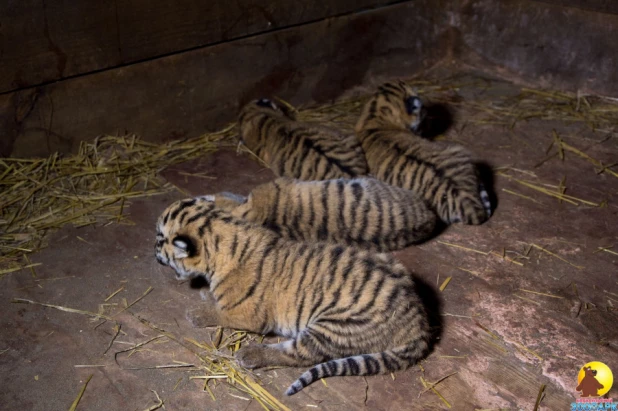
[323,229]
[314,374]
[311,210]
[341,198]
[392,299]
[244,250]
[301,307]
[183,216]
[354,369]
[202,229]
[335,257]
[371,364]
[348,268]
[182,206]
[295,226]
[332,161]
[332,368]
[303,382]
[275,209]
[388,362]
[380,214]
[406,222]
[391,219]
[258,277]
[364,225]
[299,253]
[234,245]
[197,216]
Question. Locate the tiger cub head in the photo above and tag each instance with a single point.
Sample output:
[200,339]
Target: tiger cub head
[179,232]
[395,104]
[252,115]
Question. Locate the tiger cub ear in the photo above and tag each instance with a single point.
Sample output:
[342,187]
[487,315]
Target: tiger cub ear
[183,247]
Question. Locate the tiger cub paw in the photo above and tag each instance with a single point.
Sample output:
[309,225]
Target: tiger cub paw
[252,356]
[202,317]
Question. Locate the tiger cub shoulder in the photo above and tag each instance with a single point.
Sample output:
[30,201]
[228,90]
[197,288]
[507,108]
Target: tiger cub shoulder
[298,149]
[361,211]
[443,173]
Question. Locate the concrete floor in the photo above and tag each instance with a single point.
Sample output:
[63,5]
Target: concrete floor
[499,342]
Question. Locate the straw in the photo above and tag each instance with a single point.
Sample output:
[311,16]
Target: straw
[93,186]
[80,395]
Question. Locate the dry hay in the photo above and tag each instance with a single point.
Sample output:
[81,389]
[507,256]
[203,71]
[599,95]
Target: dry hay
[92,186]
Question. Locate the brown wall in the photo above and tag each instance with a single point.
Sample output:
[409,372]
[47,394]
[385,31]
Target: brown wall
[186,94]
[70,71]
[560,43]
[49,40]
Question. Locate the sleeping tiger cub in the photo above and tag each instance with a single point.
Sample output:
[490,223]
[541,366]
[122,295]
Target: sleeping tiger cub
[299,150]
[350,311]
[443,173]
[362,211]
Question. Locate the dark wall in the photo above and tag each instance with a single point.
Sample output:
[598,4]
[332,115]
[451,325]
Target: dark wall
[49,40]
[70,71]
[191,92]
[566,44]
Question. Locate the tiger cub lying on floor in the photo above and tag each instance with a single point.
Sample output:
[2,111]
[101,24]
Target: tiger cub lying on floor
[350,311]
[299,150]
[362,211]
[442,172]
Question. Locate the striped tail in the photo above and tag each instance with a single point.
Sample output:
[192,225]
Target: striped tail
[396,359]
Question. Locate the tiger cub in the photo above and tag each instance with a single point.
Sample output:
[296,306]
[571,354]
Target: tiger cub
[442,172]
[345,311]
[362,211]
[299,150]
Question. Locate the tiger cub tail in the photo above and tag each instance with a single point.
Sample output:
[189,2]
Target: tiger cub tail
[395,359]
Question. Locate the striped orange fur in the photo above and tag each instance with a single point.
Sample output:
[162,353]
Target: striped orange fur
[345,311]
[442,172]
[362,211]
[296,149]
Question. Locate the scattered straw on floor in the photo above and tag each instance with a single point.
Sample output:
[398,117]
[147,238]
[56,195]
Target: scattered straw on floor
[40,195]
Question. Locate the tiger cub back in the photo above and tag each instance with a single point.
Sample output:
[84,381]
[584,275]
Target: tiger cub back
[299,150]
[345,311]
[442,172]
[361,211]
